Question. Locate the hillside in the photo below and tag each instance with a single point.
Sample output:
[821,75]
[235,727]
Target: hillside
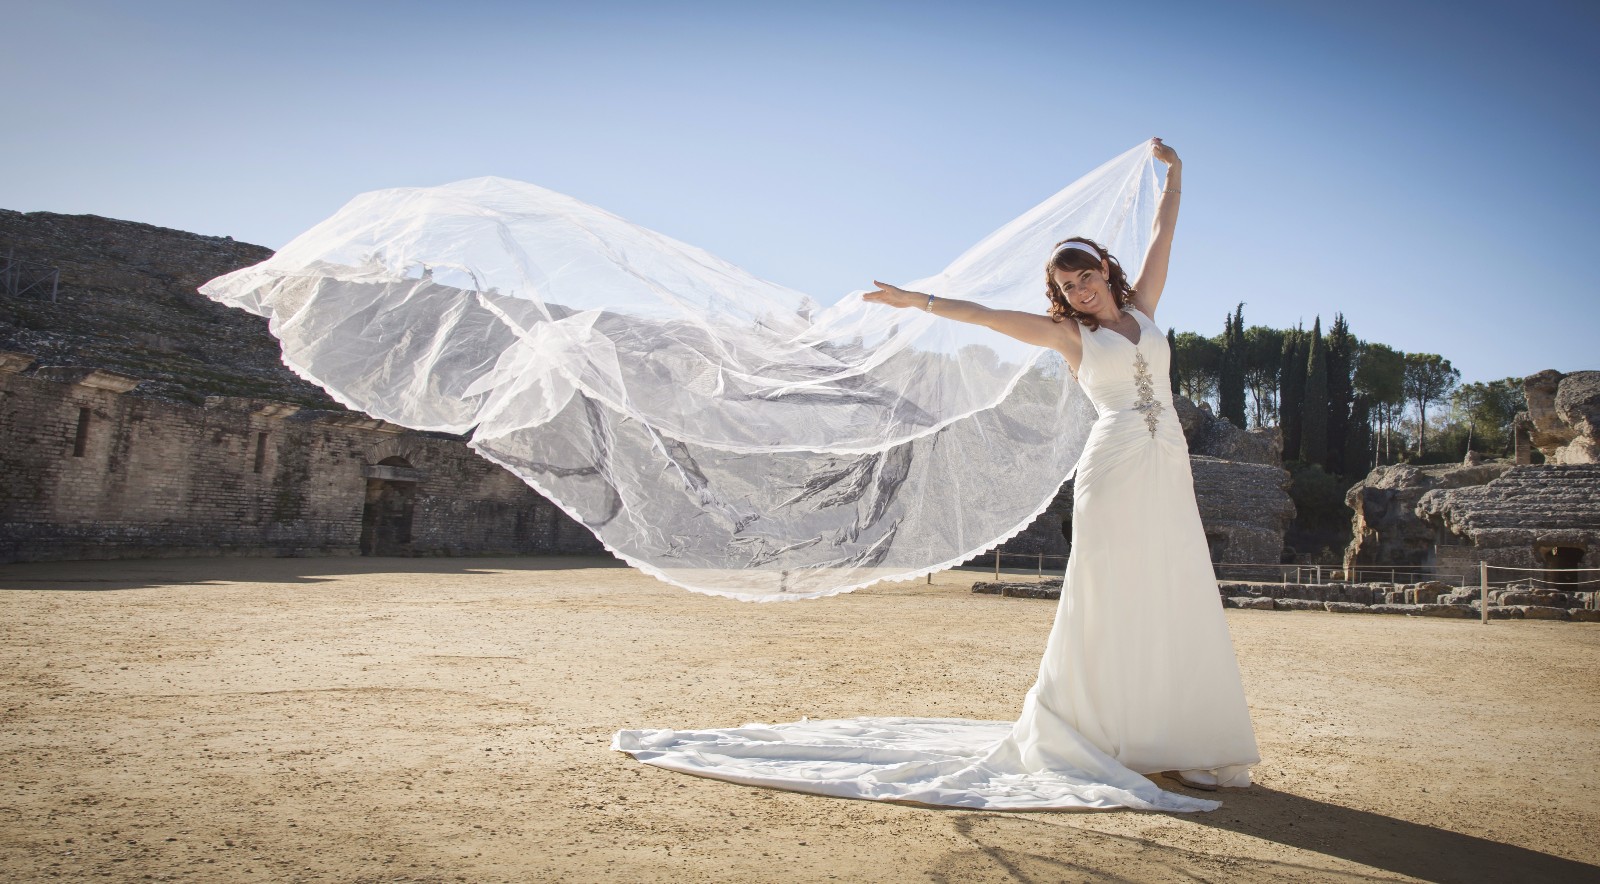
[127,303]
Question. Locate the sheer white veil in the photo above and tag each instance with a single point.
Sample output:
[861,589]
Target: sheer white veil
[718,431]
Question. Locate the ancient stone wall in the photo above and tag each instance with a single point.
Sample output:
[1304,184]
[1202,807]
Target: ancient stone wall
[1563,416]
[1386,528]
[1544,517]
[87,472]
[1245,508]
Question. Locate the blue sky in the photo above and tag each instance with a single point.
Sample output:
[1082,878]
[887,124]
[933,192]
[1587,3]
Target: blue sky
[1428,168]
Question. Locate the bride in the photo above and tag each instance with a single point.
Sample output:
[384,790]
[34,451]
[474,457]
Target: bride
[1139,674]
[726,434]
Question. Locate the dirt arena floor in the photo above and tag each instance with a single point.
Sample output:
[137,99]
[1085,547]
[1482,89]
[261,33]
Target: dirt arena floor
[450,720]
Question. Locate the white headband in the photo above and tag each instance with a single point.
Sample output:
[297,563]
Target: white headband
[1082,247]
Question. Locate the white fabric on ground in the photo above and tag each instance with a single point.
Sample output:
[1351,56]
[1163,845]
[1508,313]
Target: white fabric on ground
[1139,674]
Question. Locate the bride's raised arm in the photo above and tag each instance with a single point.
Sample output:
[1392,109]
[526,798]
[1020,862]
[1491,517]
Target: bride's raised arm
[1153,274]
[1030,328]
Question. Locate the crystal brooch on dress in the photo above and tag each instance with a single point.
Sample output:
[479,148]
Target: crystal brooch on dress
[1147,400]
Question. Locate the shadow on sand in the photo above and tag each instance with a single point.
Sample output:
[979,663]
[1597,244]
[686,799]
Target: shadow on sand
[1009,843]
[121,574]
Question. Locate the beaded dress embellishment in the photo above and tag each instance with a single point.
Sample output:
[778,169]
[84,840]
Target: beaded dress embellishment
[1147,401]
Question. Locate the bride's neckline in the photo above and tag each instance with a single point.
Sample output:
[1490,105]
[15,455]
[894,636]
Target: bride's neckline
[1137,324]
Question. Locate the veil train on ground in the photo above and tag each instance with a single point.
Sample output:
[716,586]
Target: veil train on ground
[715,430]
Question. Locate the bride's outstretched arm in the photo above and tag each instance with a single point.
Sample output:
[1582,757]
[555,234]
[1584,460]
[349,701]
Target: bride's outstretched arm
[1030,328]
[1153,275]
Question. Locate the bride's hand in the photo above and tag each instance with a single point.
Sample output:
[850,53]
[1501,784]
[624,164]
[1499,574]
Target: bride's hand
[893,296]
[1164,153]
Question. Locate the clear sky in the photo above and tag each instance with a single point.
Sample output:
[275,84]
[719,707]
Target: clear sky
[1428,168]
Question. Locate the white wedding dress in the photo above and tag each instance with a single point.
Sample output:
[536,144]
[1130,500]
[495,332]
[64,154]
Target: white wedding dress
[1139,674]
[732,436]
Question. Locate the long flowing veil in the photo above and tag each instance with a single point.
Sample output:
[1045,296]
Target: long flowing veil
[718,431]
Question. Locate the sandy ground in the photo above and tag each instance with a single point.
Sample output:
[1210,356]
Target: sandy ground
[449,720]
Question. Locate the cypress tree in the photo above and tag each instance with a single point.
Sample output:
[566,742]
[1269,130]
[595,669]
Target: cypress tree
[1230,396]
[1341,393]
[1358,437]
[1172,362]
[1292,391]
[1314,418]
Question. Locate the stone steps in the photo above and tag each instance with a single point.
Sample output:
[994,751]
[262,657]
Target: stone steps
[1572,610]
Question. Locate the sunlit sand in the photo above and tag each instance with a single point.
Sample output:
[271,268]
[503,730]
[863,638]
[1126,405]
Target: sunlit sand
[449,719]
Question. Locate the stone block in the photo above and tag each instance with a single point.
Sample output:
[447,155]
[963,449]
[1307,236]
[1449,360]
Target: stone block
[1393,609]
[1586,615]
[1347,608]
[1031,590]
[1541,612]
[1447,610]
[1299,605]
[1260,603]
[1426,593]
[12,362]
[1464,596]
[93,378]
[1549,598]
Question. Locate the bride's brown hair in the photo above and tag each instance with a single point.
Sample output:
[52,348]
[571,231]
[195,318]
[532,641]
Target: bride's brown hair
[1078,259]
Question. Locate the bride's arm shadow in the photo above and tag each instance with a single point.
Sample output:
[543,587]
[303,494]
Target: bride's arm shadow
[1033,847]
[1388,843]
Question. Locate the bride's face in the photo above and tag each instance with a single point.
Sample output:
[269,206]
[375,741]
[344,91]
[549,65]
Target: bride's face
[1086,290]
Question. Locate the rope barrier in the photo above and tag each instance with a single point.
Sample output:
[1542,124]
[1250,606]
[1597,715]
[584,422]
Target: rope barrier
[1540,570]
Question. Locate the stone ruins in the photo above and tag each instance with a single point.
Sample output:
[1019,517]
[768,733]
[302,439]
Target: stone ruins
[1518,515]
[142,419]
[90,471]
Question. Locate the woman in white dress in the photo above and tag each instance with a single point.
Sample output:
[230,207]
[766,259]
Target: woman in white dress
[1139,674]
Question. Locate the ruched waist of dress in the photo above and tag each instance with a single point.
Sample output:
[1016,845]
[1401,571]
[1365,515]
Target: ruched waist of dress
[1129,419]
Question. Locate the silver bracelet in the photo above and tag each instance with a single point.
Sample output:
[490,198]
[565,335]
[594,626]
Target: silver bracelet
[929,308]
[1172,191]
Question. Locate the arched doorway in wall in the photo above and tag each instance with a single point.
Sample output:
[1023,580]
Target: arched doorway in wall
[1217,543]
[391,500]
[1559,560]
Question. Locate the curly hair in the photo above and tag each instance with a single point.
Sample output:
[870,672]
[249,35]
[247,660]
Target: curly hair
[1077,259]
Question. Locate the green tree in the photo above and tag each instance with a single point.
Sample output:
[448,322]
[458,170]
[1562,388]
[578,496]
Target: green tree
[1489,408]
[1429,378]
[1292,391]
[1197,362]
[1341,393]
[1358,437]
[1230,393]
[1172,363]
[1380,378]
[1314,419]
[1263,348]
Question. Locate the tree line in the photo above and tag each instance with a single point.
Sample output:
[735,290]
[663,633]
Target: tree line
[1341,403]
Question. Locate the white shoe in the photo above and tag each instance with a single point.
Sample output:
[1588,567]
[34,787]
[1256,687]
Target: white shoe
[1204,780]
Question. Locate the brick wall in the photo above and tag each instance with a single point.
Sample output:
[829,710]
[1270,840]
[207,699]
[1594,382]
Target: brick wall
[87,472]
